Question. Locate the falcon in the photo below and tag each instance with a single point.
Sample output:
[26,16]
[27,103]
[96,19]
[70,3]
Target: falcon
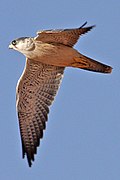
[47,56]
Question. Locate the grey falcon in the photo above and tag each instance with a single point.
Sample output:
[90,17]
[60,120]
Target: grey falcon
[47,55]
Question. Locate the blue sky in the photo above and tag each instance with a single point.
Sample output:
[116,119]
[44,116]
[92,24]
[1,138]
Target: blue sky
[82,139]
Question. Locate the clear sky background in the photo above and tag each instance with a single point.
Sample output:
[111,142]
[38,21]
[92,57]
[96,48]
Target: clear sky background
[82,139]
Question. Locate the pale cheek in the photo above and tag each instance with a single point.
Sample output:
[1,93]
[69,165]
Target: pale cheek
[21,47]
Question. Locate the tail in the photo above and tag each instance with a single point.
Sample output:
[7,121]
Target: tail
[89,64]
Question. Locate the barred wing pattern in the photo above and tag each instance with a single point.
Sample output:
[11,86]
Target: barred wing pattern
[35,92]
[65,36]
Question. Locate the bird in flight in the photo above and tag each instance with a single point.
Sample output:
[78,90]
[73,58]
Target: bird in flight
[47,56]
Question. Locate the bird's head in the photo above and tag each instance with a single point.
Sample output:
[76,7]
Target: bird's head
[23,44]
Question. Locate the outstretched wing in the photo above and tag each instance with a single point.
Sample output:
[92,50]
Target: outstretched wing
[66,36]
[35,92]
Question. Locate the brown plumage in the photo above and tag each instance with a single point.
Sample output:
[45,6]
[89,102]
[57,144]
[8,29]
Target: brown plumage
[67,37]
[47,55]
[35,93]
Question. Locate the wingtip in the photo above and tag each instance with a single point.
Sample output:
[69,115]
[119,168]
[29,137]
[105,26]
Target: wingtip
[108,69]
[91,27]
[88,26]
[29,162]
[83,24]
[28,159]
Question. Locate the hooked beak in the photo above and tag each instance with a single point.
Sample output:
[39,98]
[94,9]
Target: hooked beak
[10,46]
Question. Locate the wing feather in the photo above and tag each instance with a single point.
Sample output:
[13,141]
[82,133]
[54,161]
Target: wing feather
[66,36]
[35,92]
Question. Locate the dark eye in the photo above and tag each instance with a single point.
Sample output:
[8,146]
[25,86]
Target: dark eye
[14,42]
